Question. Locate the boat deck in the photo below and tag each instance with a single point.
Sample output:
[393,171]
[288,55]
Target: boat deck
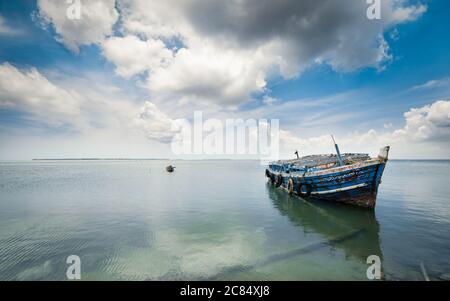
[317,161]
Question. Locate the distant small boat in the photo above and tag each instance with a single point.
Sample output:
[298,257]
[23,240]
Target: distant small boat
[349,178]
[170,168]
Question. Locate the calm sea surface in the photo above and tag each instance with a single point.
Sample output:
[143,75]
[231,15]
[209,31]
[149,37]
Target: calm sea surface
[215,220]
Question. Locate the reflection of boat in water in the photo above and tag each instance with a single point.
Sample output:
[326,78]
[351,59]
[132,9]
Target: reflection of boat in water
[330,220]
[349,178]
[350,229]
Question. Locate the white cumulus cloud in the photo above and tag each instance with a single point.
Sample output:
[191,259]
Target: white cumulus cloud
[80,103]
[210,76]
[228,50]
[426,133]
[431,122]
[229,55]
[32,92]
[96,22]
[155,124]
[133,56]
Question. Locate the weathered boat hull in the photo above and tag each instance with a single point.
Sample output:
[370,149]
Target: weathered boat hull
[355,184]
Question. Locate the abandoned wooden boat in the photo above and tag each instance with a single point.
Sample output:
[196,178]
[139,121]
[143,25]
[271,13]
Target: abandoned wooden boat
[348,178]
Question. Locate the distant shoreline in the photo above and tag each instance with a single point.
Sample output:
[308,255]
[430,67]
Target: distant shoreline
[100,159]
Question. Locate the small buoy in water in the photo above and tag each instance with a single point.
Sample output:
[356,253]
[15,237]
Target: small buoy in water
[170,168]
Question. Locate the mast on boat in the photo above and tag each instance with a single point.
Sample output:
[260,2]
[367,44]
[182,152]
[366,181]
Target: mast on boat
[337,151]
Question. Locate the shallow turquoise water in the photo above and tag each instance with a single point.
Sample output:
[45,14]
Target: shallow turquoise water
[214,220]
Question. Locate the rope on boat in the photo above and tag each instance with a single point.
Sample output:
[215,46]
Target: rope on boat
[291,186]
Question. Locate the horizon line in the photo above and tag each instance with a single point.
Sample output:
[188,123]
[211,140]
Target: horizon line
[180,159]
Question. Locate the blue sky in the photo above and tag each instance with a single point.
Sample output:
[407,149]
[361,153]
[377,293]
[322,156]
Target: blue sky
[315,98]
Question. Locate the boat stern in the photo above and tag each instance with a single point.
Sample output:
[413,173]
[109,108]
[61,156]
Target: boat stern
[362,194]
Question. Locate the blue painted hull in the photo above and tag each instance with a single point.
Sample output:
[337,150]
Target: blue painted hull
[354,185]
